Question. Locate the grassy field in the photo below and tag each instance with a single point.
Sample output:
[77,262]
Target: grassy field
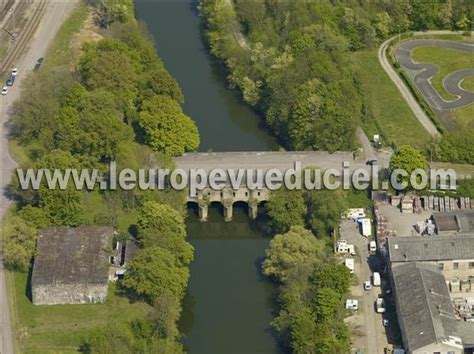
[60,52]
[468,84]
[389,111]
[63,328]
[447,60]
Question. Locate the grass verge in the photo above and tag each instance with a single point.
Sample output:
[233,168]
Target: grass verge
[63,328]
[389,111]
[468,84]
[60,52]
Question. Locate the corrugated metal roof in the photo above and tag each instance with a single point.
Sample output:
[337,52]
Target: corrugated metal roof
[431,248]
[425,312]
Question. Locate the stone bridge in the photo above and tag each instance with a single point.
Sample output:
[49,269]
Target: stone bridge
[280,160]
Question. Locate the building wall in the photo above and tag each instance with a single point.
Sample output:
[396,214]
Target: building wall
[69,294]
[437,348]
[465,268]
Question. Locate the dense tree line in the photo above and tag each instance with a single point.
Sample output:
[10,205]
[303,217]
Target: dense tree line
[312,290]
[312,286]
[295,64]
[318,210]
[118,102]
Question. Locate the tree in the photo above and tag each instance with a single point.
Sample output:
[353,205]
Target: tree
[286,208]
[295,251]
[332,276]
[324,210]
[20,244]
[107,65]
[304,332]
[108,11]
[408,159]
[62,207]
[155,272]
[166,128]
[160,225]
[326,303]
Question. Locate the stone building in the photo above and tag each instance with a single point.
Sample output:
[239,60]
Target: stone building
[72,265]
[453,255]
[425,312]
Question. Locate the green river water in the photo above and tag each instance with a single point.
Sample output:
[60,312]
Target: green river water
[229,304]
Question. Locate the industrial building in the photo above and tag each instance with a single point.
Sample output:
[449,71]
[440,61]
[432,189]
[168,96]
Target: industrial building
[426,315]
[453,255]
[72,265]
[455,222]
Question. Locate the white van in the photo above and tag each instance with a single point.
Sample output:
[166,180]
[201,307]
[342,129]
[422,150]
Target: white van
[349,263]
[372,246]
[376,279]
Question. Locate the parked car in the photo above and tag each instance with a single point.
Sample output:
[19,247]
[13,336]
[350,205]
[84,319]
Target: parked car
[376,281]
[380,305]
[367,285]
[385,322]
[10,80]
[4,90]
[38,64]
[15,72]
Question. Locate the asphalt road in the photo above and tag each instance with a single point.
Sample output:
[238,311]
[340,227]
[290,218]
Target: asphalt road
[281,160]
[375,338]
[53,17]
[426,71]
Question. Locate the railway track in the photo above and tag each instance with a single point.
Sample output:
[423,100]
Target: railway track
[13,17]
[22,40]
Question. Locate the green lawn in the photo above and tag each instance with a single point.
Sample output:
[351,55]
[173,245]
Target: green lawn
[60,52]
[468,83]
[447,60]
[389,111]
[465,116]
[62,328]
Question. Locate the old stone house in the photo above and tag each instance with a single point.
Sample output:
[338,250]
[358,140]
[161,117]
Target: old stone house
[72,265]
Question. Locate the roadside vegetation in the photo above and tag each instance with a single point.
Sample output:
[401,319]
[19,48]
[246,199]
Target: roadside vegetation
[94,101]
[386,111]
[294,62]
[312,284]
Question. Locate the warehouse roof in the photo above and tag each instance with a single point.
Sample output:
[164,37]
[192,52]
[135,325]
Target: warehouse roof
[461,221]
[431,248]
[72,255]
[425,311]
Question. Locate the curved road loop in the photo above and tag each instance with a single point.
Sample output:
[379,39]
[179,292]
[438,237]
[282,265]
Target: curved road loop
[426,71]
[405,91]
[32,44]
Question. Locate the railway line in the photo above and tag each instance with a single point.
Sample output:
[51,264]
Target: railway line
[22,40]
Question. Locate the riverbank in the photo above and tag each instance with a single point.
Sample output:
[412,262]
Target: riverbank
[72,113]
[229,304]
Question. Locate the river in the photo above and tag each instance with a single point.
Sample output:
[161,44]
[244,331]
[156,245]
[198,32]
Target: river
[229,305]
